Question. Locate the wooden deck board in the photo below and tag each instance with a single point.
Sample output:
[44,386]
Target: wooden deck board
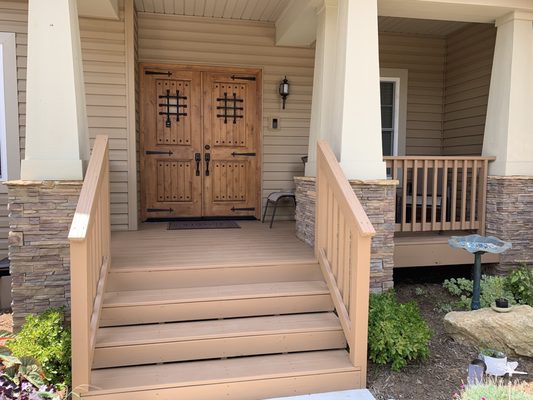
[156,247]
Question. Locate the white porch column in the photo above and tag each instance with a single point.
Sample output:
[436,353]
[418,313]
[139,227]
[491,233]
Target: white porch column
[508,128]
[356,134]
[323,79]
[56,122]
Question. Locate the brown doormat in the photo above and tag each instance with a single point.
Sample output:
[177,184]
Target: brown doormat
[181,225]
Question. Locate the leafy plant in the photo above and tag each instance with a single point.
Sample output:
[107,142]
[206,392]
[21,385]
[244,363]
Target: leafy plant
[492,288]
[23,378]
[397,333]
[520,283]
[492,353]
[46,338]
[494,390]
[443,307]
[419,291]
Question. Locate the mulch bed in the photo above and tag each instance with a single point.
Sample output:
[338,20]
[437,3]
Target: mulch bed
[443,373]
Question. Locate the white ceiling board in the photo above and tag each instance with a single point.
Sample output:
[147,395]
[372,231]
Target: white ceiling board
[251,10]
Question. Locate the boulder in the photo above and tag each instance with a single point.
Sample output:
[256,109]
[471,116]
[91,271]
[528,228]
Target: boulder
[511,332]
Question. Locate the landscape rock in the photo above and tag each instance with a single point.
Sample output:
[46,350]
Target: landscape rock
[511,332]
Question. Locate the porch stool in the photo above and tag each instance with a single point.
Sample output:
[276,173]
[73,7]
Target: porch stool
[274,198]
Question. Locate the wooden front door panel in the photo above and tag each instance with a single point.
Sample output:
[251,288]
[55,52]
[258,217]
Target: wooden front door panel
[219,121]
[231,135]
[169,142]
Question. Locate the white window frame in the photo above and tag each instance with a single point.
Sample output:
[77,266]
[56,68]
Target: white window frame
[399,78]
[9,116]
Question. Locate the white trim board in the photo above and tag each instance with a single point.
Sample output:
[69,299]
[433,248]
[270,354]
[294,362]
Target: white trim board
[400,77]
[9,124]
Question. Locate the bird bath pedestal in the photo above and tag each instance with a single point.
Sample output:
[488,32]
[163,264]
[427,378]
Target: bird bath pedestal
[478,245]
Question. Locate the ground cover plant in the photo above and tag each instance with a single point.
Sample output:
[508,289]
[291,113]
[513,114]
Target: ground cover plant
[494,390]
[46,338]
[397,333]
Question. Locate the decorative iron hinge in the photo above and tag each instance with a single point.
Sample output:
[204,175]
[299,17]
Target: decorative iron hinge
[235,154]
[234,209]
[159,210]
[158,152]
[167,73]
[243,78]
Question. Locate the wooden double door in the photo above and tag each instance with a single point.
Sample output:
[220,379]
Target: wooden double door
[200,141]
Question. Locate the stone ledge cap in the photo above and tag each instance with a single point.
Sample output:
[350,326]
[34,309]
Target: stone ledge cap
[43,183]
[370,182]
[512,177]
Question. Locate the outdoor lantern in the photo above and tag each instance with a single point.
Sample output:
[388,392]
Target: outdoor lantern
[284,90]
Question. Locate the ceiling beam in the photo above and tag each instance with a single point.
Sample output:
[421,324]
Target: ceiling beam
[106,9]
[297,24]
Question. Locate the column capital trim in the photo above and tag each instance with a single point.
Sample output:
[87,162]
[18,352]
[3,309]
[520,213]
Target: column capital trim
[324,4]
[513,16]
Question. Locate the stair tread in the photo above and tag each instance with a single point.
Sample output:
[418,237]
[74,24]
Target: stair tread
[150,377]
[202,330]
[214,293]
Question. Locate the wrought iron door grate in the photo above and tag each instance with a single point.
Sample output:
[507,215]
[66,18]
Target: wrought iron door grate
[167,105]
[229,107]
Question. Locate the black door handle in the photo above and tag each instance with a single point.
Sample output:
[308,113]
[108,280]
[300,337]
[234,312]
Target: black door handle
[159,152]
[198,159]
[207,159]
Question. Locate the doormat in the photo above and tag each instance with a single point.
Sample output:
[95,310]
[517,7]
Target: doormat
[182,225]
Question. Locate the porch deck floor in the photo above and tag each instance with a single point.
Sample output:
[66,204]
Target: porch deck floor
[155,246]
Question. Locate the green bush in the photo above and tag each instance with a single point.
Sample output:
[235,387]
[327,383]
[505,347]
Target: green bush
[45,338]
[492,288]
[396,332]
[520,283]
[494,391]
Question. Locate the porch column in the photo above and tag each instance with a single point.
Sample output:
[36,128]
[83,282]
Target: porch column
[323,79]
[508,133]
[57,144]
[508,126]
[356,128]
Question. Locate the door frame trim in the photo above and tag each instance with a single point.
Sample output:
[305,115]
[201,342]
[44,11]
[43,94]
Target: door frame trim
[205,68]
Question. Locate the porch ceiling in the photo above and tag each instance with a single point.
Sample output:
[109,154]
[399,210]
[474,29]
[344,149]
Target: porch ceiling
[252,10]
[419,26]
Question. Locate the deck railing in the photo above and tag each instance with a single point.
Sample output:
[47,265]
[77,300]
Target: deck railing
[342,246]
[89,261]
[439,193]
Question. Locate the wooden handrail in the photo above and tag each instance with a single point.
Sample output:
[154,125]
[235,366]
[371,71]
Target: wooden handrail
[440,193]
[90,258]
[342,246]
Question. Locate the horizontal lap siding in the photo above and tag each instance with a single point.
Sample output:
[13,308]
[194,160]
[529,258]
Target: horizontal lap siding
[104,64]
[424,58]
[189,40]
[468,70]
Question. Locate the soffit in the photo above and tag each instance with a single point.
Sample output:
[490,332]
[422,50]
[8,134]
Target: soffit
[419,26]
[251,10]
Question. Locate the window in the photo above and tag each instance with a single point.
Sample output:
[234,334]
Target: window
[389,116]
[9,128]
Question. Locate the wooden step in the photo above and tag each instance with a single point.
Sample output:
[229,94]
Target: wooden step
[199,303]
[243,378]
[145,278]
[184,341]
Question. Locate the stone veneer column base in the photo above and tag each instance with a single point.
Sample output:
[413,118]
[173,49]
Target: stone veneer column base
[40,215]
[510,218]
[378,200]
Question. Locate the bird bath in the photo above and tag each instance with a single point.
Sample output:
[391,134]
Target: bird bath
[478,245]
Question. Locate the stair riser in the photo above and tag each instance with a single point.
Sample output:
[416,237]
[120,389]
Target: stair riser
[181,278]
[217,348]
[247,390]
[144,314]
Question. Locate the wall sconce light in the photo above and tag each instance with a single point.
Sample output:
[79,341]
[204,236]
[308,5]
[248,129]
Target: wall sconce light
[284,90]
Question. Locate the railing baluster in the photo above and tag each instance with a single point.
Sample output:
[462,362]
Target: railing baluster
[463,194]
[424,196]
[414,203]
[404,195]
[434,195]
[473,193]
[482,201]
[335,240]
[454,196]
[444,196]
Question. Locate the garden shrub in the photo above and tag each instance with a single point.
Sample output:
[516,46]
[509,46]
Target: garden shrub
[494,391]
[45,338]
[492,288]
[520,283]
[397,333]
